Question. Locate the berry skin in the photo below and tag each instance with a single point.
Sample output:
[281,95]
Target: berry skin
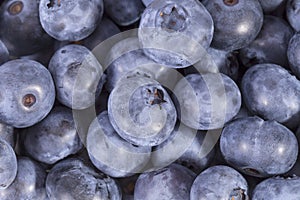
[27,92]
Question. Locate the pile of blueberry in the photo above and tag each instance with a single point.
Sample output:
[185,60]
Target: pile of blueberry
[149,99]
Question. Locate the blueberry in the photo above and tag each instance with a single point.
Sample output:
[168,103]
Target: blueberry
[292,13]
[29,182]
[105,29]
[73,179]
[259,148]
[27,92]
[126,58]
[172,182]
[219,182]
[141,111]
[70,20]
[8,165]
[52,139]
[175,33]
[124,12]
[198,100]
[270,46]
[270,91]
[77,75]
[271,5]
[236,22]
[4,55]
[20,28]
[293,52]
[186,146]
[278,188]
[8,134]
[103,142]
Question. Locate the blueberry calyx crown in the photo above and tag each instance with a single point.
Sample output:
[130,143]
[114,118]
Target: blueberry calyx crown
[238,194]
[230,2]
[28,100]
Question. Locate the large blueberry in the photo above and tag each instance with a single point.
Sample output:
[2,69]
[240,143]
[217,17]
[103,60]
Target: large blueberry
[52,139]
[20,28]
[259,148]
[27,92]
[272,92]
[219,182]
[77,75]
[236,22]
[175,33]
[278,188]
[270,46]
[29,182]
[70,20]
[141,111]
[8,165]
[73,179]
[171,182]
[207,101]
[110,153]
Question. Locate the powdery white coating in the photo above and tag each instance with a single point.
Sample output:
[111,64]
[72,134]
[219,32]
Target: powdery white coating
[171,182]
[134,114]
[278,188]
[259,148]
[272,93]
[29,182]
[52,139]
[127,56]
[219,182]
[70,20]
[71,179]
[77,75]
[207,101]
[19,78]
[174,32]
[8,165]
[110,153]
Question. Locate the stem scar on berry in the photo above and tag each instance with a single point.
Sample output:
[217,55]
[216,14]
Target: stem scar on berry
[230,2]
[15,8]
[29,100]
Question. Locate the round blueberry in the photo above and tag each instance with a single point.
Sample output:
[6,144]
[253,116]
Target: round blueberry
[292,13]
[70,20]
[20,28]
[175,33]
[73,179]
[77,75]
[171,182]
[52,139]
[219,182]
[259,148]
[27,92]
[141,111]
[293,53]
[236,22]
[207,101]
[271,92]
